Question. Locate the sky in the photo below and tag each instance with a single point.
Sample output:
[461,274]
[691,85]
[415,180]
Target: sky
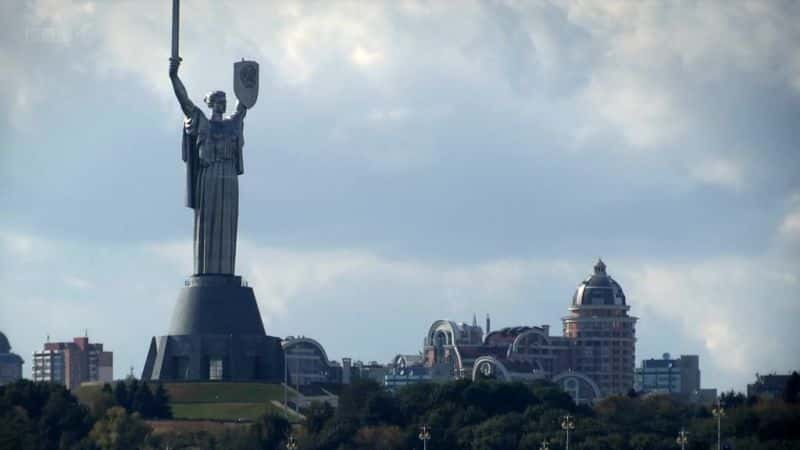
[409,161]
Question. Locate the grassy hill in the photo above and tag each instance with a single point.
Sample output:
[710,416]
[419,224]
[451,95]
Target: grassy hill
[211,400]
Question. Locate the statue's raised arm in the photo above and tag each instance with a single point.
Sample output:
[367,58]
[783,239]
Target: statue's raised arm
[180,90]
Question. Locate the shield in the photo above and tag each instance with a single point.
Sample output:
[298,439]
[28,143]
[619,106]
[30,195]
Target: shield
[245,82]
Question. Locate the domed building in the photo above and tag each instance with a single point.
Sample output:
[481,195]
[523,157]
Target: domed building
[603,332]
[10,363]
[593,358]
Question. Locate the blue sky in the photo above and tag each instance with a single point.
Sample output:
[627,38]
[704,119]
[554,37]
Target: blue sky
[410,161]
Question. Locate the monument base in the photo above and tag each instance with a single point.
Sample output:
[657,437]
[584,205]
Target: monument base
[216,333]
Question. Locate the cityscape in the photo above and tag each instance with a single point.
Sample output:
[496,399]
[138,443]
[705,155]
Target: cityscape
[404,225]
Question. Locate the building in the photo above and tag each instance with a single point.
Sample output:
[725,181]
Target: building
[768,386]
[593,358]
[10,363]
[308,363]
[670,376]
[73,363]
[372,370]
[405,370]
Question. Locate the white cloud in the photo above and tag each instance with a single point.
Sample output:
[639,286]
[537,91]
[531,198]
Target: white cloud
[790,227]
[730,310]
[646,113]
[720,172]
[732,306]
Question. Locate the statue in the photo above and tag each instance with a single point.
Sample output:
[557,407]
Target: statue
[216,331]
[212,151]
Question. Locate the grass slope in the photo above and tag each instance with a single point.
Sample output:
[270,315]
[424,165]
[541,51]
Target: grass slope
[221,411]
[221,392]
[210,400]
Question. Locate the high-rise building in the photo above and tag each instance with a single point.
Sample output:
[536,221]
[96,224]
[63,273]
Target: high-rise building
[667,375]
[603,332]
[73,363]
[10,363]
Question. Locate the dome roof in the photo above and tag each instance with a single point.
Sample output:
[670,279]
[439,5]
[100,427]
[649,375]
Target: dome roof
[599,289]
[5,347]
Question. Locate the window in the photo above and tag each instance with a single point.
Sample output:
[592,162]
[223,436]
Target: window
[215,369]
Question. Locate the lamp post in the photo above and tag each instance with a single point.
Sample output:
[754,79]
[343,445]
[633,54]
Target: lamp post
[683,438]
[291,444]
[567,424]
[285,385]
[545,445]
[719,412]
[425,436]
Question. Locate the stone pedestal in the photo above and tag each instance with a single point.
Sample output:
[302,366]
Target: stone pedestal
[216,333]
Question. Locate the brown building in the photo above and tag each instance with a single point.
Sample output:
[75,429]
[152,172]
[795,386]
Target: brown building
[594,358]
[73,363]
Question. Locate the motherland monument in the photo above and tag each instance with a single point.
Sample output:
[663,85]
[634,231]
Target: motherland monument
[216,332]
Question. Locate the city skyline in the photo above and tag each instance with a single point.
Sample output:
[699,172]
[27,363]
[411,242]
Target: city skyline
[407,164]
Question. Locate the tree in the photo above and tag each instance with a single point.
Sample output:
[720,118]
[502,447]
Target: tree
[41,415]
[317,415]
[792,388]
[270,430]
[119,430]
[161,406]
[732,399]
[103,402]
[121,396]
[142,400]
[381,437]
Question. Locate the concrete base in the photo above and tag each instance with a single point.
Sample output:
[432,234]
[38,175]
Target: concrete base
[216,333]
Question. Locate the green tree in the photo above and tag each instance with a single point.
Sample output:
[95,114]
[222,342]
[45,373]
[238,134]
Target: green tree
[41,415]
[380,437]
[317,415]
[103,402]
[142,400]
[121,397]
[161,403]
[119,430]
[270,430]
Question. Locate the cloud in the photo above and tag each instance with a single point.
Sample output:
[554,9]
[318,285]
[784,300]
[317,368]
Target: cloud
[405,159]
[719,172]
[728,305]
[729,310]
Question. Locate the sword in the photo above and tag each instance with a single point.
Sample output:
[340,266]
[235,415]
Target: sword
[176,6]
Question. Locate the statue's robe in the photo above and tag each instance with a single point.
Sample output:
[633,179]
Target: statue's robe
[212,150]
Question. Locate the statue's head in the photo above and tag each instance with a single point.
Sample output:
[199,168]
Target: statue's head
[216,101]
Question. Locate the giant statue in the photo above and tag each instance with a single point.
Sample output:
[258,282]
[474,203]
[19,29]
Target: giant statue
[216,331]
[212,151]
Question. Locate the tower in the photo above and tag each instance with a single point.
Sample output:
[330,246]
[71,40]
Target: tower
[603,334]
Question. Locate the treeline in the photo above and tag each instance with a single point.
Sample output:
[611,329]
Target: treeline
[36,416]
[463,415]
[47,416]
[488,415]
[134,397]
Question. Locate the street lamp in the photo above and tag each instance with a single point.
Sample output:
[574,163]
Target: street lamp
[718,412]
[683,438]
[425,436]
[291,444]
[545,445]
[567,424]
